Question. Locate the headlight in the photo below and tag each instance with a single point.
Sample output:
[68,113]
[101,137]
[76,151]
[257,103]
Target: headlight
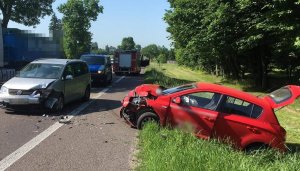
[136,100]
[100,72]
[4,90]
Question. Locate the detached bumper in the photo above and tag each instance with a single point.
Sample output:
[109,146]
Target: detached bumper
[19,99]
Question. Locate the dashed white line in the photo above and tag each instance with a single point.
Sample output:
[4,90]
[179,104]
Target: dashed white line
[20,152]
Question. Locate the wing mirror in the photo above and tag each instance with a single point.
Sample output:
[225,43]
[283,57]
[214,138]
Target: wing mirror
[69,77]
[177,100]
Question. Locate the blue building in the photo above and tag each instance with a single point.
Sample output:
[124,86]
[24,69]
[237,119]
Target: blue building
[21,47]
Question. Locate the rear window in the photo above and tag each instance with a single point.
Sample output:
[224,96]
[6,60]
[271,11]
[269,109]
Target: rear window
[93,60]
[281,95]
[178,89]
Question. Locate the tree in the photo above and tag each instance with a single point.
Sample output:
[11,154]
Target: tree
[235,36]
[55,23]
[151,51]
[138,47]
[127,44]
[27,12]
[94,47]
[77,18]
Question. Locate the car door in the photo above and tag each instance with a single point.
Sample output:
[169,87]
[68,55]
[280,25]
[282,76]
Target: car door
[70,87]
[238,121]
[80,80]
[196,110]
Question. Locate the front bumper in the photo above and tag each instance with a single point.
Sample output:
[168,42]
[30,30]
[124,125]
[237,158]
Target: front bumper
[98,77]
[7,99]
[128,116]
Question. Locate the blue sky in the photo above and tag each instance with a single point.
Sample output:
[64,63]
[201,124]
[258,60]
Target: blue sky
[141,19]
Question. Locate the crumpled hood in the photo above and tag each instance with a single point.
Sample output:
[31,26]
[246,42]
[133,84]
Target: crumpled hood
[27,83]
[150,88]
[96,68]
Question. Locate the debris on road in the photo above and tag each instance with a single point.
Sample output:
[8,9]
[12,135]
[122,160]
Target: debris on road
[64,120]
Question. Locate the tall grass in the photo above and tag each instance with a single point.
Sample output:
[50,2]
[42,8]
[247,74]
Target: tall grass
[164,149]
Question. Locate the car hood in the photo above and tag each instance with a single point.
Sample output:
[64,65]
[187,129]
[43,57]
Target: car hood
[144,89]
[95,68]
[27,83]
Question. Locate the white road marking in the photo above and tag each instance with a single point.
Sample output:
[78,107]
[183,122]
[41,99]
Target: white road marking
[20,152]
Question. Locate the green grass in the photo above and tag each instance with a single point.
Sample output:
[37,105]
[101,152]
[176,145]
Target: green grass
[164,149]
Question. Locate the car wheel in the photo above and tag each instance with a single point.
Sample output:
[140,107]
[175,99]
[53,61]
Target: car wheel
[59,105]
[87,94]
[256,148]
[146,118]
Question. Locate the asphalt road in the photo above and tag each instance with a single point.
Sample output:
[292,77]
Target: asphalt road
[95,139]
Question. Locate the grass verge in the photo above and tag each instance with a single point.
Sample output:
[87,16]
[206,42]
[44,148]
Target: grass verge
[164,149]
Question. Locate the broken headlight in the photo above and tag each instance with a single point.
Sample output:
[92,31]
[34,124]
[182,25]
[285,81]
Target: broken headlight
[42,93]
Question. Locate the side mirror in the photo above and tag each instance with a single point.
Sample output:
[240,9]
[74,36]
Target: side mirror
[177,100]
[69,77]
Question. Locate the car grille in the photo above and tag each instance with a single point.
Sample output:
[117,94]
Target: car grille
[20,92]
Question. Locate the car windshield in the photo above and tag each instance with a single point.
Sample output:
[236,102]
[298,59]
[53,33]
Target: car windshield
[280,95]
[178,89]
[40,70]
[93,60]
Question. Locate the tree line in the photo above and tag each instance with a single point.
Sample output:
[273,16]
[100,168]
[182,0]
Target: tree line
[236,37]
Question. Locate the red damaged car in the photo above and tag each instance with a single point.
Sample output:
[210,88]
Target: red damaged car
[213,111]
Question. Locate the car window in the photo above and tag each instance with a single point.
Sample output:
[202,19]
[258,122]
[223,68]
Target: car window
[41,70]
[240,107]
[178,89]
[206,100]
[93,60]
[84,68]
[78,69]
[69,70]
[281,95]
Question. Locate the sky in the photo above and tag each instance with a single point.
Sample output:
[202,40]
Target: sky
[140,19]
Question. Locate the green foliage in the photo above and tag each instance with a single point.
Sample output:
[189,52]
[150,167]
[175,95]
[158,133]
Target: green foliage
[77,18]
[150,51]
[138,47]
[127,44]
[242,36]
[27,12]
[55,23]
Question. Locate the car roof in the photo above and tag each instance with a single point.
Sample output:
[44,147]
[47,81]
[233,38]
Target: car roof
[229,91]
[56,61]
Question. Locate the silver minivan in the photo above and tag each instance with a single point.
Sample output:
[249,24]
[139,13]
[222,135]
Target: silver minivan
[48,82]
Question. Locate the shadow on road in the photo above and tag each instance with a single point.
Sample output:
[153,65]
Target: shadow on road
[97,105]
[100,105]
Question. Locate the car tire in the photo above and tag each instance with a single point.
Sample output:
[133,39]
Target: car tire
[256,148]
[87,94]
[145,118]
[59,105]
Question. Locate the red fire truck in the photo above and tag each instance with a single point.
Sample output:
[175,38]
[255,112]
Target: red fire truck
[127,62]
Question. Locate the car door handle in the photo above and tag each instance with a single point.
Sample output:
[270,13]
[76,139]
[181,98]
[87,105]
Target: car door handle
[254,130]
[165,107]
[209,119]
